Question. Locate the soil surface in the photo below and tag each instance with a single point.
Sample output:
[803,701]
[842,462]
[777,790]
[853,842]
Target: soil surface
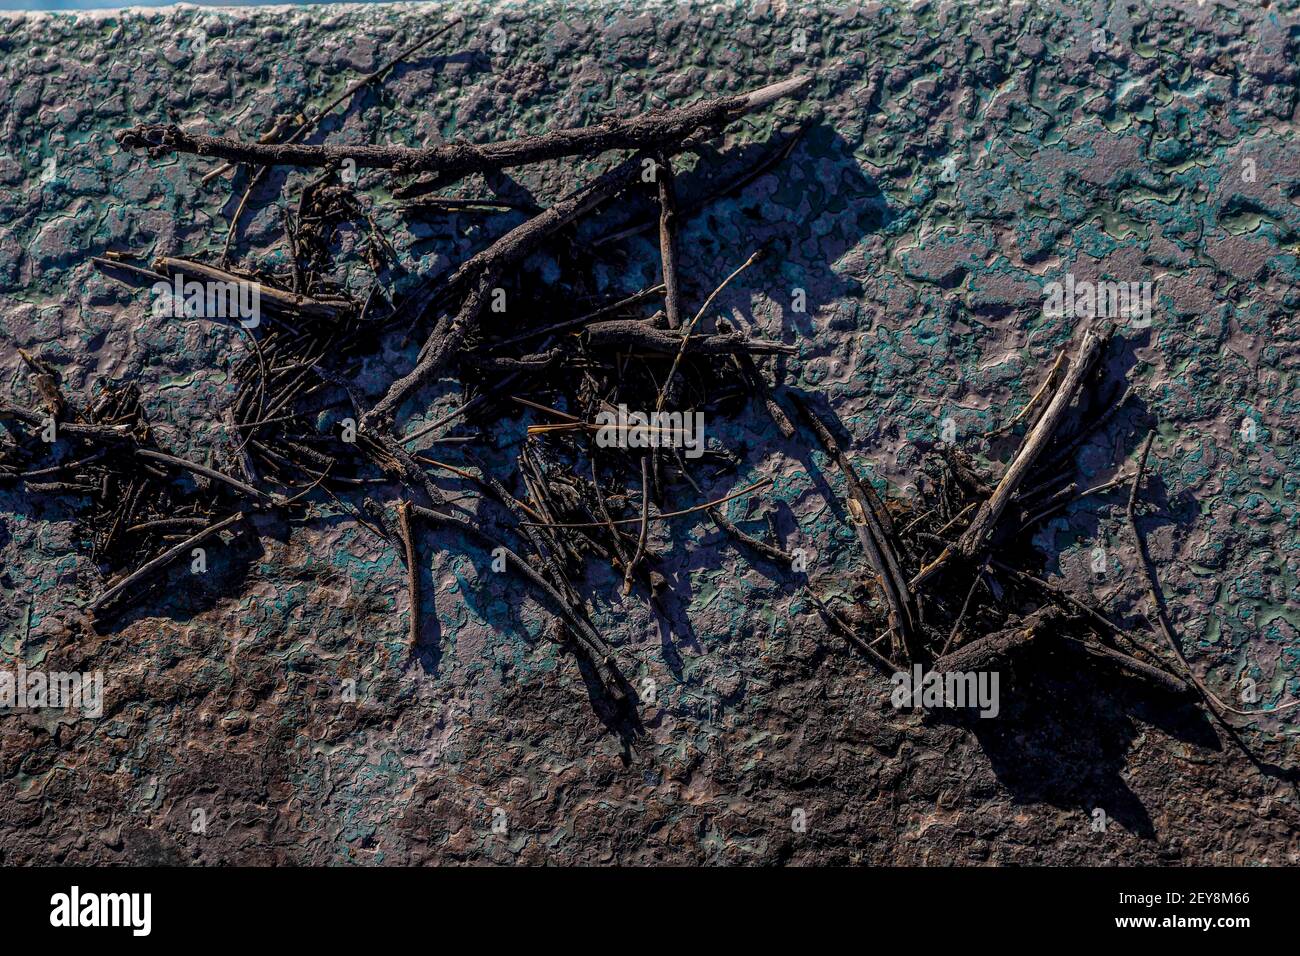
[955,159]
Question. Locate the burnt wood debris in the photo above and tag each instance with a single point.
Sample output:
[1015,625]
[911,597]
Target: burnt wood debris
[947,581]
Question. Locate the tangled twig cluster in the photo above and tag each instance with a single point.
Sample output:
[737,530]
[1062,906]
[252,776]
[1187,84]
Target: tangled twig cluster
[949,577]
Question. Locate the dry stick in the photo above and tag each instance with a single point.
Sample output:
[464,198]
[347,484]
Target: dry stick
[443,203]
[763,483]
[311,123]
[874,531]
[266,295]
[137,277]
[126,511]
[899,599]
[605,515]
[1156,596]
[54,469]
[542,545]
[396,461]
[491,265]
[119,433]
[688,210]
[668,239]
[1062,494]
[1129,511]
[1100,623]
[270,136]
[645,526]
[1060,595]
[917,520]
[957,517]
[1094,490]
[108,264]
[211,473]
[446,467]
[965,605]
[649,131]
[848,631]
[1090,429]
[725,525]
[1054,482]
[637,334]
[976,536]
[1033,401]
[538,488]
[635,299]
[686,332]
[412,572]
[162,559]
[459,412]
[989,650]
[524,363]
[1131,664]
[749,369]
[582,630]
[164,524]
[545,408]
[658,435]
[61,488]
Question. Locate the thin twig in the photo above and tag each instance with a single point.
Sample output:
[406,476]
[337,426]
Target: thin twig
[211,473]
[635,299]
[1090,429]
[977,535]
[964,606]
[725,525]
[872,525]
[1156,596]
[668,239]
[662,515]
[162,559]
[1065,502]
[848,631]
[605,517]
[690,326]
[639,553]
[582,630]
[412,572]
[648,131]
[1048,384]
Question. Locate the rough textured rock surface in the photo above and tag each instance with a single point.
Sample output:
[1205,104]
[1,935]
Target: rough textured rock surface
[958,158]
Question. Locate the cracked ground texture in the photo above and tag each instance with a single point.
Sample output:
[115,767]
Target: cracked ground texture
[956,157]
